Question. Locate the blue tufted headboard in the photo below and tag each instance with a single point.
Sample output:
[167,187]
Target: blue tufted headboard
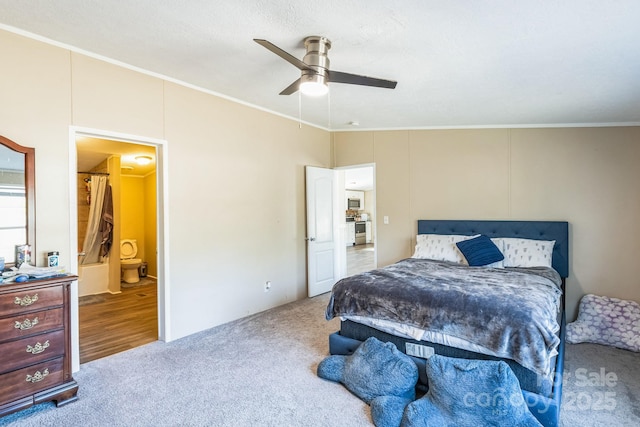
[540,230]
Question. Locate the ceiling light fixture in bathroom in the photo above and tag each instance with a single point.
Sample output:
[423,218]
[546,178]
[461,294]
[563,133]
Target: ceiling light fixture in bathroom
[143,160]
[126,168]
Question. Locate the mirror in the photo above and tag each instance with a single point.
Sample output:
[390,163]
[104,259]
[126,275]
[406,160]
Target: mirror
[17,199]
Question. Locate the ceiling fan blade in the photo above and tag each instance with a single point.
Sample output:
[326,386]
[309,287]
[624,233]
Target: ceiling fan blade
[292,88]
[282,54]
[354,79]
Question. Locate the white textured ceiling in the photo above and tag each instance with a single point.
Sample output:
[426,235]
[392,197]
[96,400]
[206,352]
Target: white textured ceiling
[458,63]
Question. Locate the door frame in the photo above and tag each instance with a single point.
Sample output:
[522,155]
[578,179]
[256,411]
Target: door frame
[162,228]
[375,206]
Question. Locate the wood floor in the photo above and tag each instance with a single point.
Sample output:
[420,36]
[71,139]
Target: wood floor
[360,258]
[111,323]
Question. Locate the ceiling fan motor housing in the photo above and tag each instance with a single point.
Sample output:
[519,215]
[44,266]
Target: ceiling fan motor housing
[317,59]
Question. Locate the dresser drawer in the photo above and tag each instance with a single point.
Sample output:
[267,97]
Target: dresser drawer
[28,381]
[27,351]
[31,323]
[34,299]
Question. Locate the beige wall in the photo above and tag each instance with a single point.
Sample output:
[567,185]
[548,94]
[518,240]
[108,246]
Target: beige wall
[235,176]
[237,211]
[35,111]
[587,176]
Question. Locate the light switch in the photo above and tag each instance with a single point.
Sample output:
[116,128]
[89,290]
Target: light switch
[385,219]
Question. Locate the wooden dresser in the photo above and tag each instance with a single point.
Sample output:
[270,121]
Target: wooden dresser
[35,345]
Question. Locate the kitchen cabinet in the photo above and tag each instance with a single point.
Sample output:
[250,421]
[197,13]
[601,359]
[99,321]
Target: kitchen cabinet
[369,234]
[351,233]
[35,344]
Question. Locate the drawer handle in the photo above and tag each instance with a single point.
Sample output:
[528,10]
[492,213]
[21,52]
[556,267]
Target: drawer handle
[38,376]
[26,301]
[27,324]
[38,348]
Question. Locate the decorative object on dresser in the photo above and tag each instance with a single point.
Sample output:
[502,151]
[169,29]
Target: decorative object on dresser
[35,344]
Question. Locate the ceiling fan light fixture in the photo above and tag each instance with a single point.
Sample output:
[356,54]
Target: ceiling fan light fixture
[313,85]
[313,88]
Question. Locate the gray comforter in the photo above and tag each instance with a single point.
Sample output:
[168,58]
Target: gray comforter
[512,312]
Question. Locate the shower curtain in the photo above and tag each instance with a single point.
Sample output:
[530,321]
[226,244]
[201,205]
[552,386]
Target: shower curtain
[97,241]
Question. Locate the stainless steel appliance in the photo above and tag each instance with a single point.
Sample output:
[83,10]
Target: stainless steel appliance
[353,204]
[361,232]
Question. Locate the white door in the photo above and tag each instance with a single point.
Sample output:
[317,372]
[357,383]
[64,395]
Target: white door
[324,267]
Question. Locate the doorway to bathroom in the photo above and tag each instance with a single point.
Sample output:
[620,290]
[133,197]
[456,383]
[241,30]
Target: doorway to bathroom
[115,314]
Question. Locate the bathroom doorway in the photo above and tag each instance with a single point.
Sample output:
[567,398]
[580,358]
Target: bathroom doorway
[115,315]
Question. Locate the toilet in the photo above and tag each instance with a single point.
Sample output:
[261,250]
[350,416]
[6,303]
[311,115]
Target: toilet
[128,262]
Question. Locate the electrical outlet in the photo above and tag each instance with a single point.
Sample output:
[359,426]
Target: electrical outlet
[385,219]
[267,286]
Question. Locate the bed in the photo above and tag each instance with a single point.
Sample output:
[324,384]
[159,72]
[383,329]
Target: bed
[531,341]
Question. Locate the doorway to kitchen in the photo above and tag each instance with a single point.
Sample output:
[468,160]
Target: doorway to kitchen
[360,218]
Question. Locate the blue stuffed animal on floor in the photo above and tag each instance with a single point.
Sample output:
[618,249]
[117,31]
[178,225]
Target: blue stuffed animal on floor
[374,369]
[461,392]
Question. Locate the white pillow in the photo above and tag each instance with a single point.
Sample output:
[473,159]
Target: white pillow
[440,247]
[499,243]
[527,252]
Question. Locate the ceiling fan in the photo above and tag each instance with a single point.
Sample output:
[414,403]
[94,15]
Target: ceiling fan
[315,69]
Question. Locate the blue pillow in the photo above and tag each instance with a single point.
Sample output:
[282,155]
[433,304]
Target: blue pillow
[480,251]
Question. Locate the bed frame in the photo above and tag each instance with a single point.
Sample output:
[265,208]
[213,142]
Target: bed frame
[546,408]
